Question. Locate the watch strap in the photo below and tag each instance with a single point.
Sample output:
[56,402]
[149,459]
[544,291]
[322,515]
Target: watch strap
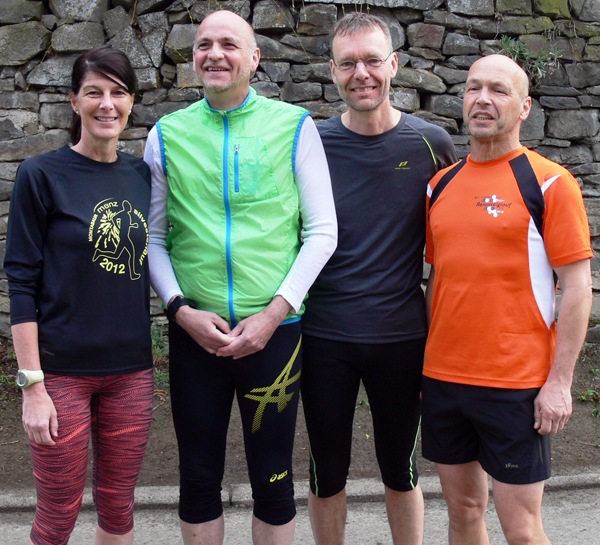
[27,377]
[176,304]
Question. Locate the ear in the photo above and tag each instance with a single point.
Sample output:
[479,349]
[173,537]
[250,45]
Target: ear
[332,66]
[255,59]
[73,100]
[394,65]
[525,109]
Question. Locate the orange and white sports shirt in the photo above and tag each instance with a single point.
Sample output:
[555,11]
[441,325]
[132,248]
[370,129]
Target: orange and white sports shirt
[493,306]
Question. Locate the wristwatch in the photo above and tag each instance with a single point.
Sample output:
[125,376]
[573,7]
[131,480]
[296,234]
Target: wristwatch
[175,305]
[26,378]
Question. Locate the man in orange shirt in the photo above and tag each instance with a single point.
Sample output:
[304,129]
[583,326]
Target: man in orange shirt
[498,369]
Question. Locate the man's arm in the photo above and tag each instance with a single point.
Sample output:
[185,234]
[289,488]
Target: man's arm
[320,239]
[206,328]
[553,405]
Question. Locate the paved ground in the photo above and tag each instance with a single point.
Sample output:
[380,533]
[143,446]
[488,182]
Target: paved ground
[571,512]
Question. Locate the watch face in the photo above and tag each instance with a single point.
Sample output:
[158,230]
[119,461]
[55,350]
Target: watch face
[21,378]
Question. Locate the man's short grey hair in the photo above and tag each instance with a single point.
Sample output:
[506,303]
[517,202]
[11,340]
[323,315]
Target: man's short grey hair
[358,22]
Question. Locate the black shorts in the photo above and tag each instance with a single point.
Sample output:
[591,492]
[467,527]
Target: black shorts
[331,375]
[267,385]
[494,426]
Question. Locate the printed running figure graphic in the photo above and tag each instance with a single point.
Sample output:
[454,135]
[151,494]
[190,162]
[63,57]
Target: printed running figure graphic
[114,228]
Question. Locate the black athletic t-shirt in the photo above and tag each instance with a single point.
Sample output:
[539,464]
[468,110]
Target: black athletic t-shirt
[370,290]
[76,261]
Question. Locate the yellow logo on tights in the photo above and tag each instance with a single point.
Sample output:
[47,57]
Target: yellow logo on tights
[276,392]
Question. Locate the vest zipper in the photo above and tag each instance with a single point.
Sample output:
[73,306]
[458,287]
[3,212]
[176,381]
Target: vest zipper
[227,216]
[236,167]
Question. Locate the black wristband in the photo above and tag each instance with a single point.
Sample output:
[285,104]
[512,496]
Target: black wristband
[175,305]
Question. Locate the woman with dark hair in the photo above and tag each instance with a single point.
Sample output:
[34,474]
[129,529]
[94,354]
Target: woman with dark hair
[79,292]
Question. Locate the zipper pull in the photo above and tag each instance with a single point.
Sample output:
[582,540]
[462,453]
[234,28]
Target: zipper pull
[236,167]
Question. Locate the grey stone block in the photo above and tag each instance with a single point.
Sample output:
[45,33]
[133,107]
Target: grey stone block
[449,75]
[186,77]
[324,110]
[77,37]
[449,125]
[146,6]
[319,45]
[471,7]
[560,103]
[56,116]
[300,92]
[514,7]
[133,147]
[270,15]
[573,124]
[316,19]
[115,20]
[20,101]
[424,35]
[460,44]
[127,41]
[419,79]
[154,43]
[331,93]
[533,127]
[180,43]
[32,37]
[55,71]
[23,148]
[445,106]
[8,171]
[266,89]
[76,10]
[567,156]
[20,11]
[153,21]
[147,116]
[147,78]
[277,71]
[405,100]
[590,11]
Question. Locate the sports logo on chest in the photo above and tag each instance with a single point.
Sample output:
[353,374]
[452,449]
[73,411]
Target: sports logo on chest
[493,205]
[112,230]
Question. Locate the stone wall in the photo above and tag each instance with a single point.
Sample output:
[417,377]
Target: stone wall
[436,41]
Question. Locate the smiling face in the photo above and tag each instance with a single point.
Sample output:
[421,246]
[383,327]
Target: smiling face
[361,89]
[496,103]
[104,106]
[225,57]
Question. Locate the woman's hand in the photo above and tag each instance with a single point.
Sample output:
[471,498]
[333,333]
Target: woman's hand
[39,415]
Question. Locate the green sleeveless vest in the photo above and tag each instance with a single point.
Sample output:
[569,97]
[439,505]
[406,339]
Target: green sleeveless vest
[232,202]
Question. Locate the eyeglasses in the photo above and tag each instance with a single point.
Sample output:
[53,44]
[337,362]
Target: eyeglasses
[370,64]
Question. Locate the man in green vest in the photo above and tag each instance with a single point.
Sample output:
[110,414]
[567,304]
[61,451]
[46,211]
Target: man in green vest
[235,177]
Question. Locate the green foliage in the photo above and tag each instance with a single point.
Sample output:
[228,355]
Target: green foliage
[363,403]
[590,357]
[537,65]
[160,354]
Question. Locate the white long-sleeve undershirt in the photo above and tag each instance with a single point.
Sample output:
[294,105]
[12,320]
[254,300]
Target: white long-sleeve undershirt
[317,211]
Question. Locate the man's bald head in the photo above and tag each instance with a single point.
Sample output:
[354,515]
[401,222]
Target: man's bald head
[228,18]
[507,68]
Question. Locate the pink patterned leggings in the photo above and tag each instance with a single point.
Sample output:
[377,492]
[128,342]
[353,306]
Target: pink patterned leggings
[117,411]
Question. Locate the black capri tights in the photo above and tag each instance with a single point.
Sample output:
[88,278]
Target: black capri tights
[267,387]
[391,374]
